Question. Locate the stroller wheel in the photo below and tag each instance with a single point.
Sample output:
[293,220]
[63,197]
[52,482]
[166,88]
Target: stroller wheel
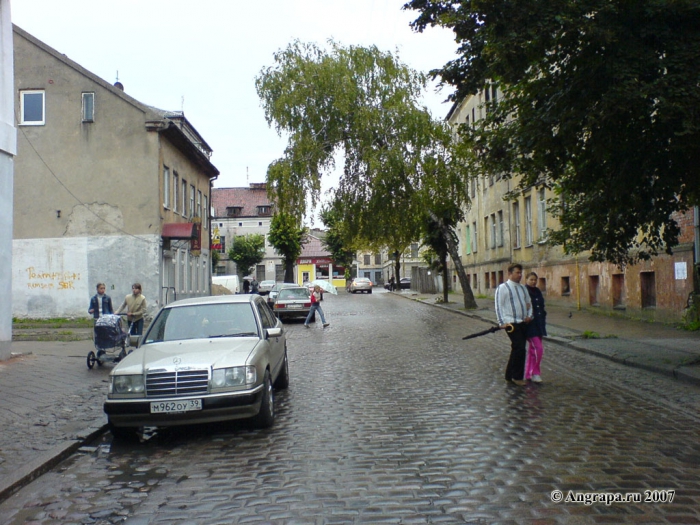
[91,359]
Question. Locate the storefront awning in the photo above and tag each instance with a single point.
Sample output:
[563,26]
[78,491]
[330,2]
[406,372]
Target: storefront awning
[179,230]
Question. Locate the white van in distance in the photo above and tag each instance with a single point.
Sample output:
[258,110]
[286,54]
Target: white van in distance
[229,282]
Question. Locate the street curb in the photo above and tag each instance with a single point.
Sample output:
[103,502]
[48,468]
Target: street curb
[685,374]
[42,464]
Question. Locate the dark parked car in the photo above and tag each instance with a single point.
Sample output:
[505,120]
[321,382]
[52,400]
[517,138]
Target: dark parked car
[405,283]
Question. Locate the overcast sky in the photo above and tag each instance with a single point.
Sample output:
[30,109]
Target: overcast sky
[202,56]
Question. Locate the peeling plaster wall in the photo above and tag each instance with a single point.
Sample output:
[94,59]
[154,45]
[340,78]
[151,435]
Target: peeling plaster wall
[56,277]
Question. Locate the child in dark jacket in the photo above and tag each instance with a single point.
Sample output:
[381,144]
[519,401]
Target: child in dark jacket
[100,303]
[536,330]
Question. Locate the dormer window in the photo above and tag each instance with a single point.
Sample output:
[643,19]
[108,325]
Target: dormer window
[234,211]
[264,210]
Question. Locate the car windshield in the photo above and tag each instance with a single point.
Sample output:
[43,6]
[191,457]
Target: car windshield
[203,321]
[293,293]
[361,280]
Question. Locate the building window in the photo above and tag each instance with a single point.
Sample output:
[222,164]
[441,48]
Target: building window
[528,221]
[32,108]
[88,107]
[199,204]
[493,231]
[222,239]
[192,193]
[184,198]
[542,285]
[647,280]
[264,210]
[205,218]
[475,240]
[618,291]
[565,286]
[176,192]
[367,260]
[542,210]
[468,240]
[516,225]
[260,224]
[233,211]
[500,228]
[377,259]
[166,187]
[593,289]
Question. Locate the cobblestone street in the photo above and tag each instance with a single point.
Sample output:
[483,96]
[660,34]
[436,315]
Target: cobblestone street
[391,418]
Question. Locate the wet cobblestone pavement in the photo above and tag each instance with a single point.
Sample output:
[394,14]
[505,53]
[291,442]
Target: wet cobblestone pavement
[391,418]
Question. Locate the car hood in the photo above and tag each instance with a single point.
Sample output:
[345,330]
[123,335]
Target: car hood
[192,353]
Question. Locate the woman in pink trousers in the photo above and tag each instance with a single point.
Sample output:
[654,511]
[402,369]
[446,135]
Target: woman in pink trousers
[536,330]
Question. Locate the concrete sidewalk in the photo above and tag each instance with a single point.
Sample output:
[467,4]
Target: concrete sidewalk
[51,404]
[655,347]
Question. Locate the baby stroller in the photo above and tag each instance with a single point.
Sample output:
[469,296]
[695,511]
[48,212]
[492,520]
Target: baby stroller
[110,341]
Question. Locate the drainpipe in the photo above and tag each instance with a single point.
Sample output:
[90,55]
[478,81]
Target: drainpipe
[578,286]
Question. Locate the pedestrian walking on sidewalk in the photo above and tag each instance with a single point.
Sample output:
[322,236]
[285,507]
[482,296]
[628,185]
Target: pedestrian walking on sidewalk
[100,303]
[316,297]
[135,306]
[513,309]
[536,330]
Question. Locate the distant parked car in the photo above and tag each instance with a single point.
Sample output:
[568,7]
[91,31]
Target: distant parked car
[202,360]
[405,283]
[360,284]
[276,290]
[293,302]
[265,286]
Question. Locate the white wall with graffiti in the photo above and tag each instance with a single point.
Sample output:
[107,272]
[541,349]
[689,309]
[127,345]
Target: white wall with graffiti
[56,277]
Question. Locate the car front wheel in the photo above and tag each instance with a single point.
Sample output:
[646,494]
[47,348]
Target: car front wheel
[266,416]
[282,380]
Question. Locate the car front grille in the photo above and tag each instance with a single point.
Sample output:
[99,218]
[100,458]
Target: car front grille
[177,383]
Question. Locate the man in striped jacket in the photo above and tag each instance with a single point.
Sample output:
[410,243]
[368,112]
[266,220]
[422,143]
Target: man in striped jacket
[513,308]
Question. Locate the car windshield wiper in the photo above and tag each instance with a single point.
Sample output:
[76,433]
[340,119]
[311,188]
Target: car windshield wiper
[240,334]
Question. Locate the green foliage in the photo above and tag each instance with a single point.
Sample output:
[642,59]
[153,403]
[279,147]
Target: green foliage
[215,258]
[365,104]
[287,235]
[338,240]
[605,95]
[247,251]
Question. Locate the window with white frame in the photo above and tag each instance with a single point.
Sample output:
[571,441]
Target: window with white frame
[192,194]
[166,187]
[528,221]
[88,107]
[475,239]
[199,204]
[32,107]
[516,225]
[493,231]
[542,213]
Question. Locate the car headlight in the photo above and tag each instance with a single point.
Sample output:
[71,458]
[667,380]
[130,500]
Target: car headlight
[235,376]
[126,384]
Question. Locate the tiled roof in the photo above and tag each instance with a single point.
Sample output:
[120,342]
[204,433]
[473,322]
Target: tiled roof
[314,248]
[248,199]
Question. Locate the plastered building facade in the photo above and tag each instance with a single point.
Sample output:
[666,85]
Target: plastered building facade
[497,232]
[107,189]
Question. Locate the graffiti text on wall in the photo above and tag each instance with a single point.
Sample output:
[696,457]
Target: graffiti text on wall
[51,280]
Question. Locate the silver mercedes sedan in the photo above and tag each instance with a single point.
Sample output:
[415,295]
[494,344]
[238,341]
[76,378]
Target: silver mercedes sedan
[202,360]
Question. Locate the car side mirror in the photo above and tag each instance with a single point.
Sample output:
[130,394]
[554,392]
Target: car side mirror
[274,332]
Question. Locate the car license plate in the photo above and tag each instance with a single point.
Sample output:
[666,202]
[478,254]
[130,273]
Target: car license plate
[174,407]
[293,306]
